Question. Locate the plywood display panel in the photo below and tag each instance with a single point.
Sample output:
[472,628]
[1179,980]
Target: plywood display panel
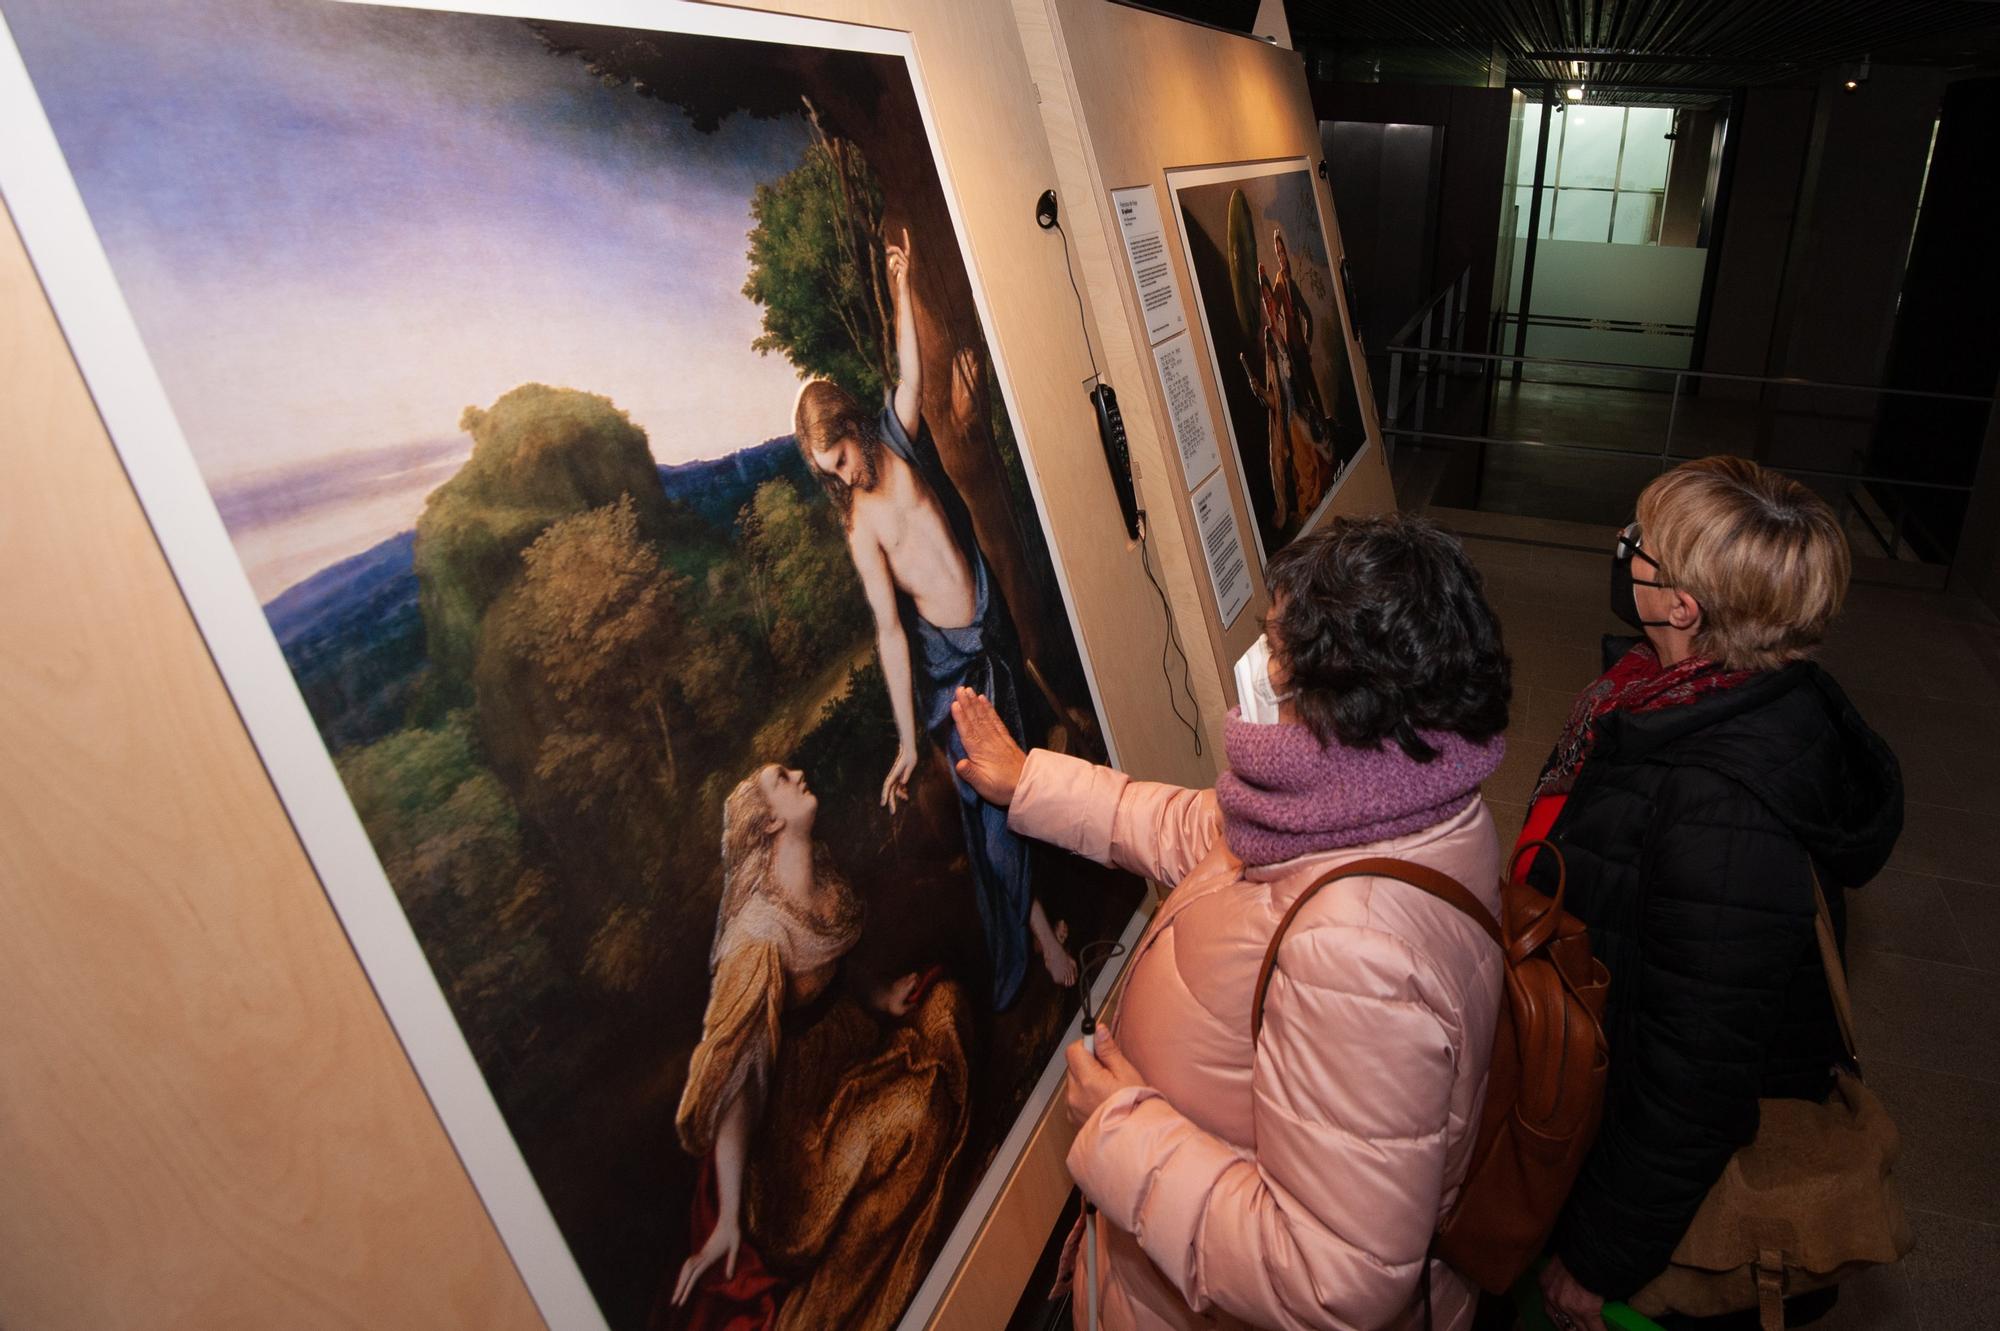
[258,1150]
[206,1120]
[1144,95]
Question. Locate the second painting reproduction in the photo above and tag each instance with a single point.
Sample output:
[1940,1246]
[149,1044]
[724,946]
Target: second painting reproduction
[1264,282]
[612,458]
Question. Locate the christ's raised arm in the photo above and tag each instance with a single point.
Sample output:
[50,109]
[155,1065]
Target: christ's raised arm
[909,363]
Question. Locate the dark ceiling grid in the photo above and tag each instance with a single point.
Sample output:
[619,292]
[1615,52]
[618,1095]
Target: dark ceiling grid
[1678,49]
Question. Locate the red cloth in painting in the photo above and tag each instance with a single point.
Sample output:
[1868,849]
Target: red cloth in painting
[746,1301]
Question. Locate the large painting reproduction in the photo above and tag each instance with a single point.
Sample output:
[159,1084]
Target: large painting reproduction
[580,445]
[1264,283]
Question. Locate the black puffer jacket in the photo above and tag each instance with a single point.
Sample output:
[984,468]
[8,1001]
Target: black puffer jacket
[1686,839]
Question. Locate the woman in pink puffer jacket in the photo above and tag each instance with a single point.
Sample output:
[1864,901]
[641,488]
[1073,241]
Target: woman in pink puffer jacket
[1295,1182]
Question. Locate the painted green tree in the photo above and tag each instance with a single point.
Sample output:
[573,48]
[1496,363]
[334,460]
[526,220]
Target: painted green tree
[799,578]
[539,454]
[817,267]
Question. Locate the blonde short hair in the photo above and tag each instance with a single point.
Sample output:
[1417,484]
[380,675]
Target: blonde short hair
[1763,555]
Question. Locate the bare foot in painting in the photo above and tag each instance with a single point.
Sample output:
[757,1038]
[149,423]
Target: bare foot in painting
[1061,965]
[897,997]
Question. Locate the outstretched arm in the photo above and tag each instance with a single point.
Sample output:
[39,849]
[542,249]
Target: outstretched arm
[909,367]
[892,648]
[732,1139]
[1250,376]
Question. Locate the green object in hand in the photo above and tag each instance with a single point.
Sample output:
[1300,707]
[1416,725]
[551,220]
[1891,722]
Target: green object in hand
[1532,1317]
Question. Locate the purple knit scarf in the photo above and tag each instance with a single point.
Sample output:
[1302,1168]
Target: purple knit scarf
[1285,795]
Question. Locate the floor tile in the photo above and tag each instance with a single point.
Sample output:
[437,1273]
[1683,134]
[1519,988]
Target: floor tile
[1913,725]
[1975,911]
[1552,665]
[1507,820]
[1574,579]
[1950,1128]
[1915,658]
[1907,914]
[1951,778]
[1548,711]
[1879,1299]
[1950,843]
[1865,602]
[1490,556]
[1557,626]
[1927,1014]
[1514,781]
[1954,1273]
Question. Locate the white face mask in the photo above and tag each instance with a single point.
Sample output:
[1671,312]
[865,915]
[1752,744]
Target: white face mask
[1255,697]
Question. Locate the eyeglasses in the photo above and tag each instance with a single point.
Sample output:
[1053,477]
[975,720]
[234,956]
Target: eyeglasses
[1630,544]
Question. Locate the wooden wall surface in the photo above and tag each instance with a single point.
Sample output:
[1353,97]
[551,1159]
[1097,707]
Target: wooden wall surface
[1147,94]
[206,1120]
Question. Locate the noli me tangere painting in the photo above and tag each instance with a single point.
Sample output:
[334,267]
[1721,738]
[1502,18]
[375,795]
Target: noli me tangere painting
[1264,282]
[604,423]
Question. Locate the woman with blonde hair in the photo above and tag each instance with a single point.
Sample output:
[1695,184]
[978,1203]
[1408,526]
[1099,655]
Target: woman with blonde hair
[1699,787]
[824,1133]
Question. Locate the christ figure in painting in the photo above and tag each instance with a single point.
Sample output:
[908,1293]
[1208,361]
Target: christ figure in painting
[826,1130]
[940,621]
[1295,332]
[1293,457]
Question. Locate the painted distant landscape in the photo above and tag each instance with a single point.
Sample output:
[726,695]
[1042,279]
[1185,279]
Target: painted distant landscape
[486,335]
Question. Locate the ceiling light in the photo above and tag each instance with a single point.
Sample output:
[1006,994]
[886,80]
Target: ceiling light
[1575,92]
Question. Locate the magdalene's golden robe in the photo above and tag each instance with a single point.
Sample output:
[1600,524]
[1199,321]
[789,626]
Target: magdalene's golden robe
[855,1127]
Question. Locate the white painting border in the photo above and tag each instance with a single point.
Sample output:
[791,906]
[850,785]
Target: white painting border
[48,209]
[1182,177]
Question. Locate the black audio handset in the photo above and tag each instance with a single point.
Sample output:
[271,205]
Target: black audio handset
[1117,454]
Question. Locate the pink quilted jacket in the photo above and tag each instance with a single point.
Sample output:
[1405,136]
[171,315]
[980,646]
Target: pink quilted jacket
[1296,1183]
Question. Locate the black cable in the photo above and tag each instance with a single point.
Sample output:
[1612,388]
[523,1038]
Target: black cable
[1173,639]
[1081,322]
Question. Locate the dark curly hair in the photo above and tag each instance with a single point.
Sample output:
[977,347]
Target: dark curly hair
[1382,625]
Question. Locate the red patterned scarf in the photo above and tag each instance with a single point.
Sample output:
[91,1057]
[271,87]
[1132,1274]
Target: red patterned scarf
[1636,682]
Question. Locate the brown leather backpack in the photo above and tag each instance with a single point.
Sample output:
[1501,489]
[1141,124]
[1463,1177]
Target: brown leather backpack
[1545,1088]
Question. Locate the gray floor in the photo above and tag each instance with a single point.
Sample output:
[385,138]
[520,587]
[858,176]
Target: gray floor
[1924,947]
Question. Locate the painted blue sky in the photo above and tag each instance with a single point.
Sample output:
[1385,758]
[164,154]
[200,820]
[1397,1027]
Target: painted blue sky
[338,226]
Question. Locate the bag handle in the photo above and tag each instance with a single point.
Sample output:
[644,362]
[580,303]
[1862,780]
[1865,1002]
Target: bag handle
[1829,960]
[1425,879]
[1533,921]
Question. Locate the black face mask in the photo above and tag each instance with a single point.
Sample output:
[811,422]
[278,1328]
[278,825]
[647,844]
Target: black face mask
[1625,602]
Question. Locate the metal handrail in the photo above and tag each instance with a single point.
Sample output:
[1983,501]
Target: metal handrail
[1598,324]
[1782,381]
[1855,479]
[1453,298]
[1961,487]
[1438,297]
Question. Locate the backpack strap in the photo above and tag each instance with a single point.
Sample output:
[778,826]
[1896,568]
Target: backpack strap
[1829,960]
[1422,877]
